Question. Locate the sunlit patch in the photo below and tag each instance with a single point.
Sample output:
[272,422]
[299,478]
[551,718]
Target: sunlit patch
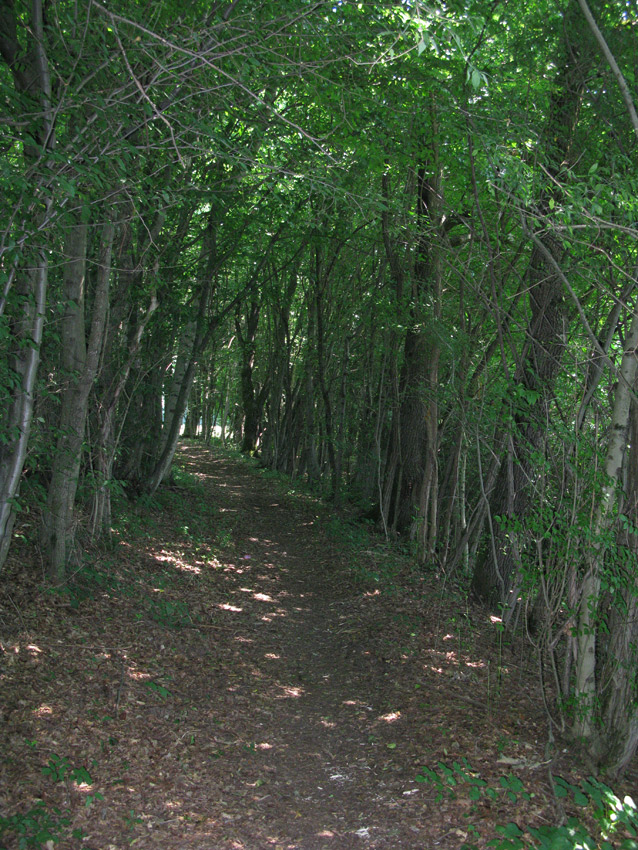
[391,716]
[263,597]
[325,833]
[449,637]
[372,592]
[494,619]
[33,649]
[270,616]
[272,656]
[475,664]
[291,693]
[178,563]
[43,711]
[263,746]
[226,607]
[173,804]
[213,562]
[138,676]
[328,724]
[351,702]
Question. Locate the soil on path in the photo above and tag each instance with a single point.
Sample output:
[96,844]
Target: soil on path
[227,683]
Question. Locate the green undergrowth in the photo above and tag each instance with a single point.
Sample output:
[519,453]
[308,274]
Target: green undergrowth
[372,560]
[179,516]
[606,821]
[45,825]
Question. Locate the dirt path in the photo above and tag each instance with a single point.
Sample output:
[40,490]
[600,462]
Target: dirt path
[227,685]
[323,706]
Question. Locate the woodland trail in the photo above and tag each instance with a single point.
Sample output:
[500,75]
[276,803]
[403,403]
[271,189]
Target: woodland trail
[228,685]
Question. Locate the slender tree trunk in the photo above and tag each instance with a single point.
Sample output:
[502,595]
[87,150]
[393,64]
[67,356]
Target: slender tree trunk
[249,395]
[58,518]
[107,437]
[27,338]
[586,690]
[31,76]
[172,425]
[184,355]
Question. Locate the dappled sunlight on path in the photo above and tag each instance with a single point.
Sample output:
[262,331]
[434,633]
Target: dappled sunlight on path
[231,687]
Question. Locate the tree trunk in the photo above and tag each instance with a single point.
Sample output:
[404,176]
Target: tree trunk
[26,338]
[497,571]
[250,397]
[57,533]
[31,78]
[411,472]
[586,690]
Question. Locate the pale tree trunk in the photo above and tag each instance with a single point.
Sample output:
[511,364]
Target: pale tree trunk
[184,354]
[58,518]
[30,71]
[615,743]
[172,425]
[17,425]
[617,735]
[587,624]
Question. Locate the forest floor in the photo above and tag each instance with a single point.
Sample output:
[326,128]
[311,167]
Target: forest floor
[246,668]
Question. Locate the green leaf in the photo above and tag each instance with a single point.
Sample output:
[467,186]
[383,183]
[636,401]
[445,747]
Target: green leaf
[560,789]
[511,830]
[580,799]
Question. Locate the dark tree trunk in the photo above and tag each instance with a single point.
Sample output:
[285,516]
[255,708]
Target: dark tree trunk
[252,400]
[497,571]
[411,473]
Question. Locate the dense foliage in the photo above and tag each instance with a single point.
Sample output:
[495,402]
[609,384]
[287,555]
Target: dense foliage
[389,247]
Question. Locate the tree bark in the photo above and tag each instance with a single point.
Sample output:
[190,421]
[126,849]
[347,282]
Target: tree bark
[31,78]
[590,596]
[58,518]
[496,574]
[411,472]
